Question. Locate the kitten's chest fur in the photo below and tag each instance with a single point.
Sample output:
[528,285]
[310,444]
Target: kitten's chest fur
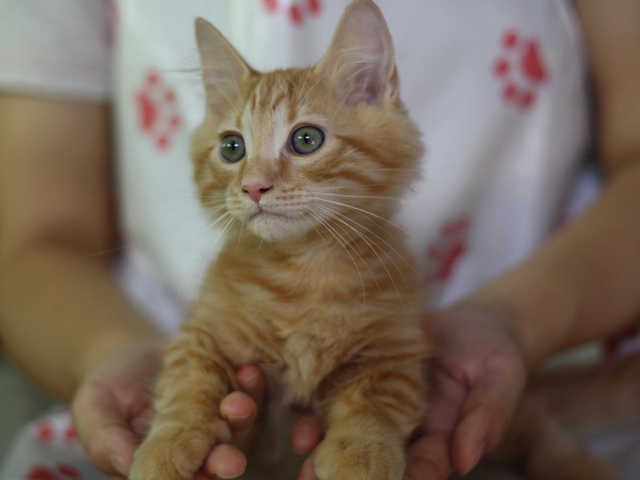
[304,315]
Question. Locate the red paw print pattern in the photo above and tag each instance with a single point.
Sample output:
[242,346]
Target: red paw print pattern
[157,107]
[59,472]
[297,10]
[520,70]
[445,253]
[48,431]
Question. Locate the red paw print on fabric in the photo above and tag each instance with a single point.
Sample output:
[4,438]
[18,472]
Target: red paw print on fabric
[445,253]
[47,431]
[520,70]
[297,11]
[158,116]
[59,472]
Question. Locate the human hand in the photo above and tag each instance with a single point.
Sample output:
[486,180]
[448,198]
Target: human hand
[477,377]
[112,410]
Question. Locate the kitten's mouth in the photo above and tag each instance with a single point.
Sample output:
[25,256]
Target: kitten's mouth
[272,226]
[263,214]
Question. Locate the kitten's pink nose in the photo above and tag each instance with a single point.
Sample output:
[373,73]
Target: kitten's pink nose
[256,189]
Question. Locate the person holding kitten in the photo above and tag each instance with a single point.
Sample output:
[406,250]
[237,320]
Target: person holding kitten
[503,135]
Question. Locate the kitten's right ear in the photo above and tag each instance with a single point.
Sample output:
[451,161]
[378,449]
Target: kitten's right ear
[223,69]
[360,61]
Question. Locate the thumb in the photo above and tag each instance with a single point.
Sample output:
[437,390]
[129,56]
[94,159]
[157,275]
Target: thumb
[106,436]
[485,417]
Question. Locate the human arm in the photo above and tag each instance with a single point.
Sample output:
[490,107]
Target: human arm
[583,284]
[60,306]
[63,316]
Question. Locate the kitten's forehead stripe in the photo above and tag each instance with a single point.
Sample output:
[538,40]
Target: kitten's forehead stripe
[278,100]
[254,101]
[241,112]
[265,92]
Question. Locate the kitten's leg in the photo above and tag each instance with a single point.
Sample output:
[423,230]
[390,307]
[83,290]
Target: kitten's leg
[194,380]
[370,417]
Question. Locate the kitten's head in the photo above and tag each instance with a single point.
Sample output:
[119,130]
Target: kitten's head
[289,153]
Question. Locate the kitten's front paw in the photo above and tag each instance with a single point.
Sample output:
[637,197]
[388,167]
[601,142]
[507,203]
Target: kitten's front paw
[357,458]
[176,453]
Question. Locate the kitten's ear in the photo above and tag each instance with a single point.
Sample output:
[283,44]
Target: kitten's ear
[360,61]
[223,69]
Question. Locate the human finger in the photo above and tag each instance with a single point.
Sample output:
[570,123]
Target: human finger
[240,411]
[306,433]
[225,461]
[428,457]
[251,380]
[485,417]
[106,437]
[306,471]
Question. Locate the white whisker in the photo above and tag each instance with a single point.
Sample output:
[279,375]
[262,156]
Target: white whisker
[346,205]
[344,245]
[375,252]
[347,218]
[207,264]
[356,196]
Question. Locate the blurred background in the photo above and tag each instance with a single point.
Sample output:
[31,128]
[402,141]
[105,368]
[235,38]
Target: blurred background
[20,401]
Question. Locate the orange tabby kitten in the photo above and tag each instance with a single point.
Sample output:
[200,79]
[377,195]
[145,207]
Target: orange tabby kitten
[313,283]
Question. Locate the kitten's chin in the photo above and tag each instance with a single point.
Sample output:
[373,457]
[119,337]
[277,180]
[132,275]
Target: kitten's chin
[274,227]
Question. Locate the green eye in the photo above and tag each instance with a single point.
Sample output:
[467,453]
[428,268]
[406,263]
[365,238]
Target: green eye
[306,140]
[232,148]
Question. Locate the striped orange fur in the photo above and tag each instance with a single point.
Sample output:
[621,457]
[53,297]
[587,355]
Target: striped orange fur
[314,283]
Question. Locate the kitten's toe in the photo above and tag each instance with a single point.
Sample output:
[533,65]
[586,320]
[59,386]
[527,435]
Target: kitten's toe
[354,458]
[175,453]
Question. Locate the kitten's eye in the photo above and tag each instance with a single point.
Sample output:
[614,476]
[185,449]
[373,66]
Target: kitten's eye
[306,140]
[232,148]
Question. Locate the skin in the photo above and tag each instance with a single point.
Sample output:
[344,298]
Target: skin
[55,278]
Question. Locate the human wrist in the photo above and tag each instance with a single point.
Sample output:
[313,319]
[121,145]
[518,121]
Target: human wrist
[498,311]
[116,343]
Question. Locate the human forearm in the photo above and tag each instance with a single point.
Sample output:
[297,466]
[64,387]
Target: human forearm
[60,308]
[585,283]
[62,311]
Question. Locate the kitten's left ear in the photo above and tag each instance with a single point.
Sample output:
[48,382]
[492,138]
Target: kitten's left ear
[223,69]
[360,61]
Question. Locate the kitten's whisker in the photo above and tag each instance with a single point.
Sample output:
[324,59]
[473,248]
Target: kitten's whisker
[406,262]
[330,216]
[229,65]
[344,245]
[304,84]
[348,187]
[163,281]
[397,169]
[220,93]
[374,248]
[346,205]
[320,233]
[314,85]
[208,264]
[211,209]
[356,196]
